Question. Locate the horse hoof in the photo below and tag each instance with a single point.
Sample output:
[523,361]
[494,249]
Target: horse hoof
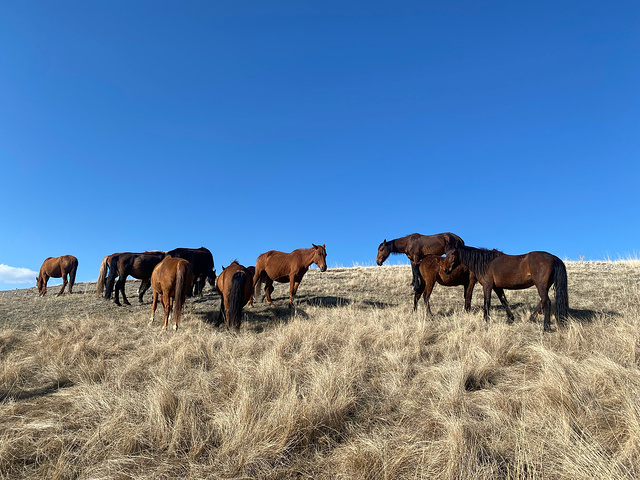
[175,328]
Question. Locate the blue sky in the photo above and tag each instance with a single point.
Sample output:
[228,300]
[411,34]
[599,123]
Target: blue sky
[249,126]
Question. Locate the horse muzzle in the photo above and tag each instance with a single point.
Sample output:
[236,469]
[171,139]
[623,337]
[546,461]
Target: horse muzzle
[323,269]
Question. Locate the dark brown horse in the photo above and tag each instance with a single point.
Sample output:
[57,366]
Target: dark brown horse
[287,267]
[416,247]
[57,267]
[235,286]
[497,271]
[201,260]
[171,279]
[432,270]
[138,265]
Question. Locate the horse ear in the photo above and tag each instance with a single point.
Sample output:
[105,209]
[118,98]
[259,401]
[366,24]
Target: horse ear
[314,246]
[324,245]
[384,241]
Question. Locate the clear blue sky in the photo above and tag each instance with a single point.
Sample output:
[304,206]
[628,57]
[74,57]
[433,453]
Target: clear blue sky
[249,126]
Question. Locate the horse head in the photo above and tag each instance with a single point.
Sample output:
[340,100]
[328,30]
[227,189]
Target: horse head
[384,250]
[452,260]
[41,284]
[320,257]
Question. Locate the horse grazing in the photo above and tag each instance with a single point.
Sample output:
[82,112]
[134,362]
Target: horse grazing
[287,267]
[171,279]
[432,270]
[416,247]
[201,260]
[497,271]
[235,286]
[138,265]
[57,267]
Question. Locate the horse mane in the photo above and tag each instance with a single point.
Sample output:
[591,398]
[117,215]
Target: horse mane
[477,259]
[391,245]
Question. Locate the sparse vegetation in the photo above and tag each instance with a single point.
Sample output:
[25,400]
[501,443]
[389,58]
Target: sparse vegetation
[355,386]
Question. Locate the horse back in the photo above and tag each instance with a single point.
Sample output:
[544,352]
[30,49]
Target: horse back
[280,265]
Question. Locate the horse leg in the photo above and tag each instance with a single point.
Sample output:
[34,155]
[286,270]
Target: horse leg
[503,299]
[545,305]
[293,288]
[468,293]
[145,284]
[429,284]
[64,284]
[486,289]
[415,272]
[268,289]
[166,303]
[124,296]
[154,305]
[221,315]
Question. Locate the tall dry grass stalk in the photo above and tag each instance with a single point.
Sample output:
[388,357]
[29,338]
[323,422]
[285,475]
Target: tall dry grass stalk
[355,386]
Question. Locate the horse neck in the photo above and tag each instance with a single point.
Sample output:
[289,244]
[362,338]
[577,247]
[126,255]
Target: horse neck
[398,245]
[308,255]
[476,259]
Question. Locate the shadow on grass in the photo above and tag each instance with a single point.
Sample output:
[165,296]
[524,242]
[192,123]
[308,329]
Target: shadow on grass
[35,392]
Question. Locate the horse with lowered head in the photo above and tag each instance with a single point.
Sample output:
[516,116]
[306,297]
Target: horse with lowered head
[275,266]
[138,265]
[416,247]
[497,271]
[57,267]
[171,279]
[201,260]
[235,286]
[432,270]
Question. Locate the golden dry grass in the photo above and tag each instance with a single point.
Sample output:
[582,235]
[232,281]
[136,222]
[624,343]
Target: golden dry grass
[355,386]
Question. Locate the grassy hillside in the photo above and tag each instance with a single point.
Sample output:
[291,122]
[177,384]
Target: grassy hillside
[355,386]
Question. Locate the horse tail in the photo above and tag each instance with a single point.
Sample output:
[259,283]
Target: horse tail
[257,287]
[181,291]
[102,276]
[72,274]
[113,273]
[236,299]
[562,294]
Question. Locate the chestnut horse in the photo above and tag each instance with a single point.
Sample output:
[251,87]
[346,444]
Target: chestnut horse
[235,286]
[57,267]
[138,265]
[201,260]
[497,271]
[416,247]
[287,267]
[171,279]
[432,270]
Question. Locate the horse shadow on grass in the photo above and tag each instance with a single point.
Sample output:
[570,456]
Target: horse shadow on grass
[34,392]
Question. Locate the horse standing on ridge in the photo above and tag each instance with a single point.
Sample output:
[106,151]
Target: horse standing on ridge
[432,269]
[235,286]
[138,265]
[171,279]
[416,247]
[201,260]
[287,268]
[57,267]
[496,271]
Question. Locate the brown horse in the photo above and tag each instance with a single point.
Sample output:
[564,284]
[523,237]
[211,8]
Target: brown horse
[416,247]
[201,260]
[497,271]
[138,265]
[287,267]
[57,267]
[235,286]
[432,270]
[171,279]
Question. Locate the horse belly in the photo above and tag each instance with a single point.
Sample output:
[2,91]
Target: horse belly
[282,279]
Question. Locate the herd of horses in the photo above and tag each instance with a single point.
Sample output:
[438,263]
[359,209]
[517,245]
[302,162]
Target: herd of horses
[183,272]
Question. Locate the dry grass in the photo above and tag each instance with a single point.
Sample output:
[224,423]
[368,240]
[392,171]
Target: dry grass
[356,386]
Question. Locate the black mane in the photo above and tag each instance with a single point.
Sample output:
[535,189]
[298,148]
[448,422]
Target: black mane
[477,259]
